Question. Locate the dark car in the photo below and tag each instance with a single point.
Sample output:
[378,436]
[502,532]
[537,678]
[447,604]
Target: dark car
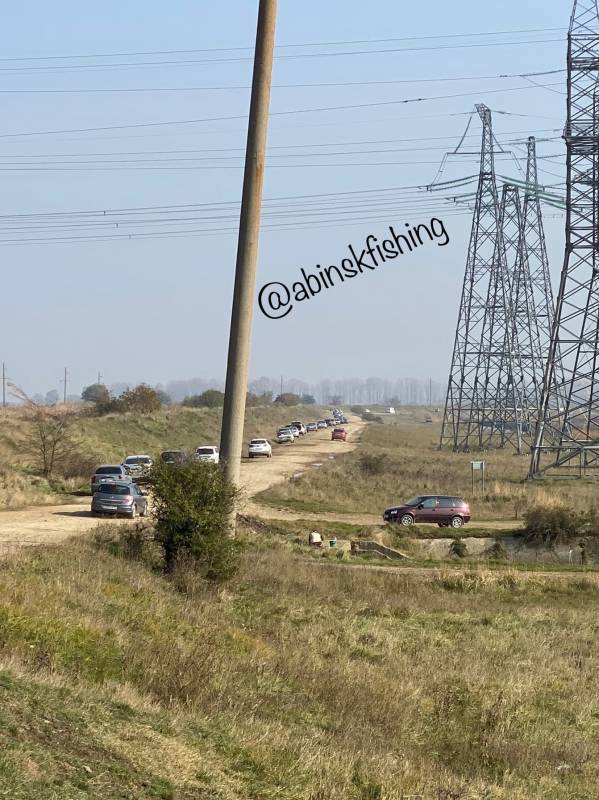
[173,456]
[443,510]
[119,497]
[107,472]
[340,434]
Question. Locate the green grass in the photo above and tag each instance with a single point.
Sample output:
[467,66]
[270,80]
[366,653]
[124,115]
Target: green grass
[294,681]
[411,464]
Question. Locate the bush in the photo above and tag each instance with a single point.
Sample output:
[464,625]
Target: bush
[211,398]
[192,503]
[368,416]
[458,549]
[549,526]
[374,464]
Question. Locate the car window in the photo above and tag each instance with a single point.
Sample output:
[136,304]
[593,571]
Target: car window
[430,502]
[205,451]
[447,502]
[413,501]
[108,470]
[114,488]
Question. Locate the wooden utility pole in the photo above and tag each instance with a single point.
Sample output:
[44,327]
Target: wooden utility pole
[247,249]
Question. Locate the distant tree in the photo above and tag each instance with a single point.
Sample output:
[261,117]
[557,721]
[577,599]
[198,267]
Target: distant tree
[336,399]
[48,436]
[211,398]
[288,399]
[394,401]
[52,397]
[96,393]
[142,399]
[308,400]
[264,399]
[164,397]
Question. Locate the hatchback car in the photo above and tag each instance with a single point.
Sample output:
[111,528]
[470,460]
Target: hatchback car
[440,509]
[339,434]
[107,472]
[311,426]
[259,447]
[322,423]
[119,497]
[207,452]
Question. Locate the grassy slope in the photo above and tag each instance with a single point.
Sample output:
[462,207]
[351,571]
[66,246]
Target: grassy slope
[415,466]
[111,438]
[298,681]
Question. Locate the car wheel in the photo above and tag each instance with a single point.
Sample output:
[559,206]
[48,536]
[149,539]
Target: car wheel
[133,513]
[457,522]
[406,520]
[144,513]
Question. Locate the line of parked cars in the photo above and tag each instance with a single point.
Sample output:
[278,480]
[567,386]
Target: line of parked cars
[289,433]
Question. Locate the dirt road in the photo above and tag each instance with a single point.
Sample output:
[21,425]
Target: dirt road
[53,524]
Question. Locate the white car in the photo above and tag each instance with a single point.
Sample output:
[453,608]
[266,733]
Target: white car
[138,466]
[300,426]
[207,452]
[285,435]
[259,447]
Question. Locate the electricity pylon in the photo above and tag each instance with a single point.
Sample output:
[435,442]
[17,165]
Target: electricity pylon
[567,437]
[481,408]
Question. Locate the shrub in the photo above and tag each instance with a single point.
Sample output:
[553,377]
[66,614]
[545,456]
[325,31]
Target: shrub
[374,464]
[211,398]
[142,399]
[192,503]
[458,549]
[368,416]
[547,527]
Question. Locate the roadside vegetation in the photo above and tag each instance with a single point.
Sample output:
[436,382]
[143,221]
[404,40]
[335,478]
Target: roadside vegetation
[92,438]
[294,680]
[398,460]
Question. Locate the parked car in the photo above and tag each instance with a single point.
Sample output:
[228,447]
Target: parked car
[259,447]
[138,466]
[311,426]
[440,509]
[207,452]
[284,436]
[119,497]
[294,430]
[108,473]
[301,427]
[331,422]
[173,456]
[322,423]
[338,434]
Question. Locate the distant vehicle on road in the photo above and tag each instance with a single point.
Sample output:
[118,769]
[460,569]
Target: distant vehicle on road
[331,422]
[207,452]
[108,473]
[339,434]
[300,426]
[443,510]
[138,466]
[284,436]
[311,426]
[119,497]
[322,423]
[173,456]
[259,447]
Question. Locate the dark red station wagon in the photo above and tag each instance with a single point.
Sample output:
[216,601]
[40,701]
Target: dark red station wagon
[443,510]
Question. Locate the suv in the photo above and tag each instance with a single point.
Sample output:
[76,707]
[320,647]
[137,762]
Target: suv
[339,433]
[108,473]
[138,466]
[259,447]
[208,452]
[300,426]
[440,509]
[173,456]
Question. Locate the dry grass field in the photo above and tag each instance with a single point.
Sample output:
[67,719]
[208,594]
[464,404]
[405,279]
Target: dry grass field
[297,681]
[400,459]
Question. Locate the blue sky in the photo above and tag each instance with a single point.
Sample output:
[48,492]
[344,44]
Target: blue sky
[157,309]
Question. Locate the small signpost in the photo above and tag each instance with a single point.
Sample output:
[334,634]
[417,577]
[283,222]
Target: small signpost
[478,466]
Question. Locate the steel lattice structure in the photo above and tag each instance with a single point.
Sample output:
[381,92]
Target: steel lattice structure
[567,437]
[482,407]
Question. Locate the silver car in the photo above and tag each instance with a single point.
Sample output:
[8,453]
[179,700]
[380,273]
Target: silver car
[119,497]
[108,473]
[138,466]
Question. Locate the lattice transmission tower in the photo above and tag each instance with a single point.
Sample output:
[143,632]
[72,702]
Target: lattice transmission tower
[482,407]
[567,437]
